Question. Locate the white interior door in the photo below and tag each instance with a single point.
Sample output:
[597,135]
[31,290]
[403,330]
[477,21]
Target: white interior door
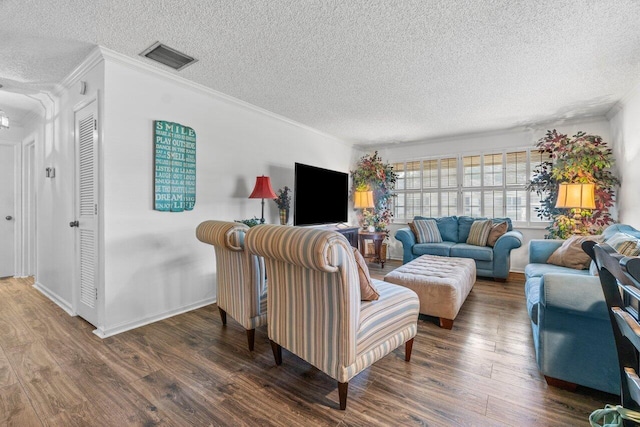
[86,222]
[7,210]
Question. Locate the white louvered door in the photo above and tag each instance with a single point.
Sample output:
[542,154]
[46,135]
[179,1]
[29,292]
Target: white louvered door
[87,212]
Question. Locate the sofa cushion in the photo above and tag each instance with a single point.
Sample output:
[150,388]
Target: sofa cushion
[426,231]
[442,249]
[570,253]
[538,270]
[447,225]
[480,253]
[479,232]
[497,230]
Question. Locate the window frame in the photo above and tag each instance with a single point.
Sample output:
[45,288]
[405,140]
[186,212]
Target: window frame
[529,219]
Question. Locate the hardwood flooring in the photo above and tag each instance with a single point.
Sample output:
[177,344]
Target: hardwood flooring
[190,370]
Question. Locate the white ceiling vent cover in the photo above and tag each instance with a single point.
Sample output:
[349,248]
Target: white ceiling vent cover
[167,56]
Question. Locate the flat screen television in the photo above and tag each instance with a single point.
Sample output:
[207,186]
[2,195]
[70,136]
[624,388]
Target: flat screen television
[320,196]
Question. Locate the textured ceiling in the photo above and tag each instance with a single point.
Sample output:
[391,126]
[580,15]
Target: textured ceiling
[366,71]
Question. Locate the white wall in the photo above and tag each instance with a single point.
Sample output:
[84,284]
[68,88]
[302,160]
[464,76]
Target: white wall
[154,265]
[470,144]
[625,131]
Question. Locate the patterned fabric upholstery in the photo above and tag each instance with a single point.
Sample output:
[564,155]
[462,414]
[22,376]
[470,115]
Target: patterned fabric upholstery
[314,308]
[242,288]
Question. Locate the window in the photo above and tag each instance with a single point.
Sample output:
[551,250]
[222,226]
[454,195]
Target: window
[485,184]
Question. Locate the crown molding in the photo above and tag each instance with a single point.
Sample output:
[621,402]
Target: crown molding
[94,58]
[145,67]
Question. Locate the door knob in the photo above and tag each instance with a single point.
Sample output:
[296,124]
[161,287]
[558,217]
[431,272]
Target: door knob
[8,217]
[74,223]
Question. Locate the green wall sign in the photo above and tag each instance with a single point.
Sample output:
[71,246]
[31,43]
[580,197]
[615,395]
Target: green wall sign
[175,167]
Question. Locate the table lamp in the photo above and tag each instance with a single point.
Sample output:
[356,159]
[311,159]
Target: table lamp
[576,196]
[263,190]
[363,200]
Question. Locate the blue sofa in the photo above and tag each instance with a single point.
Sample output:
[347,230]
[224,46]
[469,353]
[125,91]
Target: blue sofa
[572,333]
[490,261]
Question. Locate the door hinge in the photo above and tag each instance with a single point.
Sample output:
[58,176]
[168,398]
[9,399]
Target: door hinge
[95,209]
[95,124]
[96,289]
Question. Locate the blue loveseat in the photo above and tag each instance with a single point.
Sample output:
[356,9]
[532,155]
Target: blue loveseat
[490,261]
[572,333]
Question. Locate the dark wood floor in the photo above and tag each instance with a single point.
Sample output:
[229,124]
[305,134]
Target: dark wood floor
[190,370]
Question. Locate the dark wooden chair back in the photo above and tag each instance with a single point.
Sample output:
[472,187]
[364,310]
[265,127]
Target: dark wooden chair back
[620,280]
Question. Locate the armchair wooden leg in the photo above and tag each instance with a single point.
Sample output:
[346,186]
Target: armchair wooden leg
[343,388]
[408,346]
[277,352]
[223,316]
[251,333]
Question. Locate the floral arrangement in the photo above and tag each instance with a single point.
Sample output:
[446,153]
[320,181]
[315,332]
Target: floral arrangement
[283,200]
[581,158]
[371,174]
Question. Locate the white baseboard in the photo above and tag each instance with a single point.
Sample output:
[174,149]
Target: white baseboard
[61,302]
[108,332]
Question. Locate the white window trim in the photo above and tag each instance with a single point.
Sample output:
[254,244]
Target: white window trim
[531,220]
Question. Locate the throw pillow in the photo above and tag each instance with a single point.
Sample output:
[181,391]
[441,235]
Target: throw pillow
[571,255]
[624,244]
[618,238]
[628,248]
[497,230]
[479,232]
[427,231]
[368,292]
[412,226]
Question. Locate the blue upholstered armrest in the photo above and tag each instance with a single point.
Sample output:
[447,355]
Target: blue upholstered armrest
[508,241]
[502,252]
[541,249]
[574,295]
[408,239]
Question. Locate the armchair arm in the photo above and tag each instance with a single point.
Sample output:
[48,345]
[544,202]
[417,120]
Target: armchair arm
[408,239]
[541,249]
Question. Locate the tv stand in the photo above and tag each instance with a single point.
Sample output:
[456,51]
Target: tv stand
[351,233]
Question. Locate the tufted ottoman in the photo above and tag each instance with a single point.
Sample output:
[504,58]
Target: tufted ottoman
[442,284]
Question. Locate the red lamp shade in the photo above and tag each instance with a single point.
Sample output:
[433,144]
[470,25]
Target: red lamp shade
[263,189]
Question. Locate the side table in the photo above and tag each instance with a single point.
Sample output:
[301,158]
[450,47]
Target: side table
[377,237]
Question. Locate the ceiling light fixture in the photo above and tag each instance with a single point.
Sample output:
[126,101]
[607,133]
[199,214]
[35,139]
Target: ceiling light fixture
[168,56]
[4,120]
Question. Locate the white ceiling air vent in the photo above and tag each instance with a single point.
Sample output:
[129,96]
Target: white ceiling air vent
[167,56]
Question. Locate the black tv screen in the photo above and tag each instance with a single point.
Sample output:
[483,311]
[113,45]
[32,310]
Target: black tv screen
[321,196]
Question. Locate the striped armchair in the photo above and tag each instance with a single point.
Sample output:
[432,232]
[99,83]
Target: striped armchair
[314,308]
[242,289]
